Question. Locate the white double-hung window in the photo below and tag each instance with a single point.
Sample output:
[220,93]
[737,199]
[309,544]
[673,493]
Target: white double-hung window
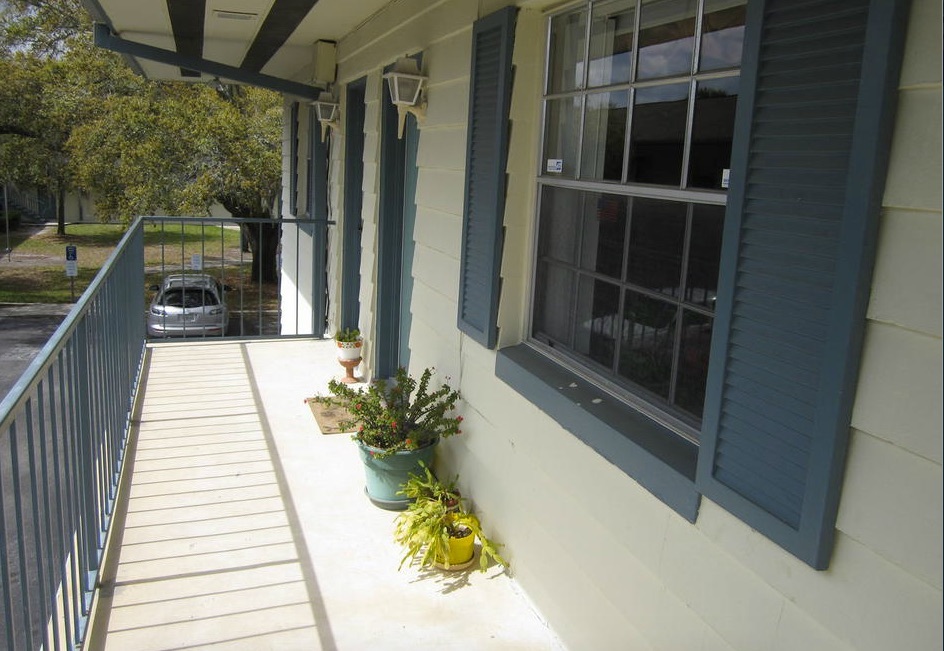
[639,108]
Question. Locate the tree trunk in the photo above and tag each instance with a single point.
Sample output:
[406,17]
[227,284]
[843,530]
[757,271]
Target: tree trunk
[60,210]
[263,238]
[264,243]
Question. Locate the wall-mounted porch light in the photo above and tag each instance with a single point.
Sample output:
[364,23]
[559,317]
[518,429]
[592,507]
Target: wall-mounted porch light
[406,91]
[327,110]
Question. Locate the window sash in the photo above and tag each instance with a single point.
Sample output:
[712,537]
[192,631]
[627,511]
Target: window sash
[587,163]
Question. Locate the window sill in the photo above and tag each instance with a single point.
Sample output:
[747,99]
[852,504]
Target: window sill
[660,460]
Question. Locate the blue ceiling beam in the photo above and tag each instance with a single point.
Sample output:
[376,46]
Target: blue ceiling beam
[104,38]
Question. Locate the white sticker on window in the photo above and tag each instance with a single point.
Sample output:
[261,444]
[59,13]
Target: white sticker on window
[555,165]
[725,178]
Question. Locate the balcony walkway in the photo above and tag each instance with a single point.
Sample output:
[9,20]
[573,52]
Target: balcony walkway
[244,527]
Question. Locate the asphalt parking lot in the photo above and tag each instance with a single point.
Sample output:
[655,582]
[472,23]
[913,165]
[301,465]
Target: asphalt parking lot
[24,330]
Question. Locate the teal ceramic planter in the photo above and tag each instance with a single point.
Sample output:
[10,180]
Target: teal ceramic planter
[384,477]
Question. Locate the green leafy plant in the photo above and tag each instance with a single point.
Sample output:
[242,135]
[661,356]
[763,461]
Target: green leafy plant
[437,514]
[397,414]
[347,335]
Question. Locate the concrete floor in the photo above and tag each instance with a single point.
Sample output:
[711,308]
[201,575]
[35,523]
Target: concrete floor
[244,527]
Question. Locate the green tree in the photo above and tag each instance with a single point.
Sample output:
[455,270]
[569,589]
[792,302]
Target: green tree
[177,149]
[43,46]
[75,117]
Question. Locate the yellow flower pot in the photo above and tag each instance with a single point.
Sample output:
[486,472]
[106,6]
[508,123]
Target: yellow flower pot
[461,551]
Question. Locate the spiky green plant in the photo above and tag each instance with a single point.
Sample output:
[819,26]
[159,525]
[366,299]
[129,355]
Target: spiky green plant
[397,414]
[347,335]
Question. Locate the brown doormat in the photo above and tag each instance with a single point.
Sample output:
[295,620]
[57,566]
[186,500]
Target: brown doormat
[328,416]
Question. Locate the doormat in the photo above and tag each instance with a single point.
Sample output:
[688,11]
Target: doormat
[328,417]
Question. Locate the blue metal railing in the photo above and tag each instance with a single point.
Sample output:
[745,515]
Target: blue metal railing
[63,429]
[260,306]
[64,425]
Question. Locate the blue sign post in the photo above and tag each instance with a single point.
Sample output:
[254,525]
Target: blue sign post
[72,266]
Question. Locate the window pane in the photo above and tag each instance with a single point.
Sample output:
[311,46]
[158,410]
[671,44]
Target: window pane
[604,136]
[656,241]
[712,132]
[559,235]
[666,38]
[693,363]
[597,316]
[560,137]
[722,34]
[646,343]
[658,134]
[704,255]
[604,234]
[611,43]
[554,291]
[565,69]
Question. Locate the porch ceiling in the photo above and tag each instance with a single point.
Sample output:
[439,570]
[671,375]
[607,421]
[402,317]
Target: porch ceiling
[268,37]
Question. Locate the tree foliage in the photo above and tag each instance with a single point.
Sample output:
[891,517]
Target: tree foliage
[75,117]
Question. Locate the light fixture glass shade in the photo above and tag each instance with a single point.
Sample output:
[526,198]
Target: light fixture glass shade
[405,82]
[326,108]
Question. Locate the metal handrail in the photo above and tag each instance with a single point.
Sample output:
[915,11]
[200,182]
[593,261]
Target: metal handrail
[63,429]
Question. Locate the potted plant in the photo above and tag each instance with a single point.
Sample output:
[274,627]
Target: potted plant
[396,423]
[350,344]
[438,530]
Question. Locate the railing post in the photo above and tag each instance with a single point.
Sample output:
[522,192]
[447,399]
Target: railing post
[85,470]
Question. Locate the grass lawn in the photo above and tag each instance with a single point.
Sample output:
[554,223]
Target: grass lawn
[37,273]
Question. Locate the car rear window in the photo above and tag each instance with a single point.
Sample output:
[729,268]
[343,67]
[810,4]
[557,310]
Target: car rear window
[188,297]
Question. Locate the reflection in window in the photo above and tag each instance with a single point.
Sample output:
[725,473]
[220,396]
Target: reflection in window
[603,136]
[722,37]
[597,309]
[692,376]
[611,42]
[603,234]
[666,38]
[560,137]
[656,243]
[567,52]
[645,266]
[561,229]
[648,339]
[701,282]
[658,134]
[553,300]
[712,132]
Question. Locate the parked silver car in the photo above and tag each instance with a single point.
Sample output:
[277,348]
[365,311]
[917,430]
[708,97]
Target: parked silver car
[188,305]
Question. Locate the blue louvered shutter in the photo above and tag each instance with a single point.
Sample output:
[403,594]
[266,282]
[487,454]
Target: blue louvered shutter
[486,155]
[811,147]
[293,161]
